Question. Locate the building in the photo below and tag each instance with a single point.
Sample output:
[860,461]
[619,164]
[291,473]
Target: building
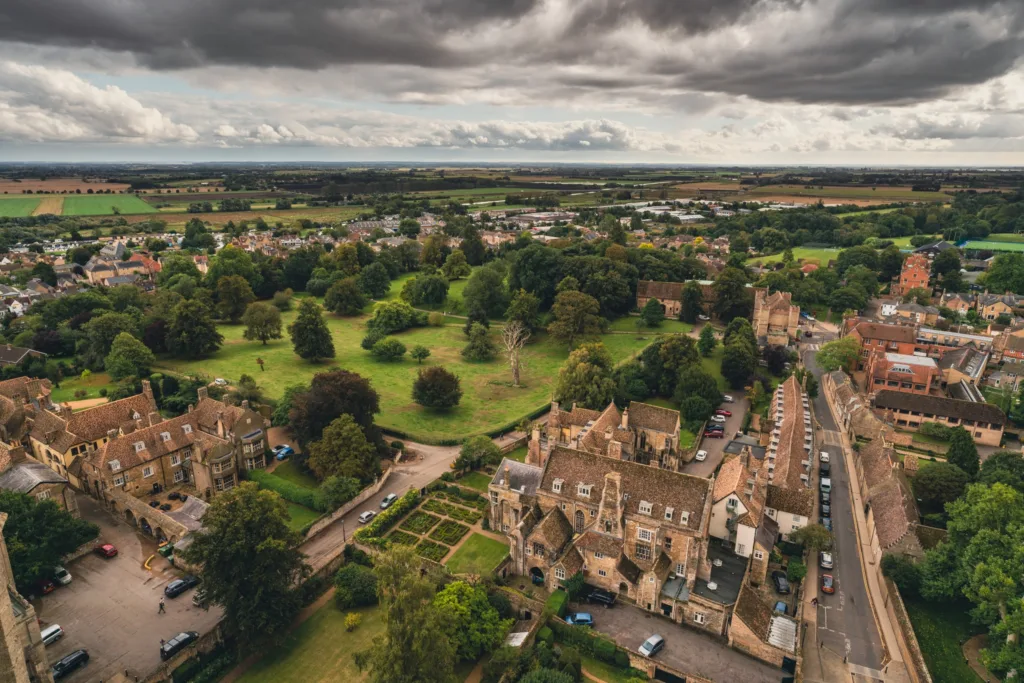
[737,511]
[789,458]
[913,275]
[991,306]
[912,374]
[15,355]
[934,249]
[889,338]
[916,313]
[22,473]
[668,294]
[938,342]
[956,302]
[20,399]
[22,652]
[966,364]
[776,318]
[983,420]
[891,513]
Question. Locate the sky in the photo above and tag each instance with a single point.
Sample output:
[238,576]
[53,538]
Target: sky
[846,82]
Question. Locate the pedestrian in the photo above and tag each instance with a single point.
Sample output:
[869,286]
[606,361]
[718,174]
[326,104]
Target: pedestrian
[162,609]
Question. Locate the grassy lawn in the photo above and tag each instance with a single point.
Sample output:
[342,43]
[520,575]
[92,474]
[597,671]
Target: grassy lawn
[992,245]
[287,470]
[478,555]
[864,213]
[713,366]
[605,672]
[68,387]
[476,480]
[299,516]
[18,206]
[319,650]
[939,630]
[1005,237]
[628,323]
[518,454]
[489,402]
[104,205]
[819,256]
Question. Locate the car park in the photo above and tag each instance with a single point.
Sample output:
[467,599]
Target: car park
[176,644]
[823,456]
[580,619]
[781,582]
[721,411]
[718,418]
[701,456]
[69,663]
[51,634]
[601,597]
[827,584]
[825,560]
[283,451]
[652,646]
[106,550]
[388,500]
[179,586]
[367,516]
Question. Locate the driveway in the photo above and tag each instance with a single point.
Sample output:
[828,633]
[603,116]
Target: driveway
[685,649]
[110,607]
[716,447]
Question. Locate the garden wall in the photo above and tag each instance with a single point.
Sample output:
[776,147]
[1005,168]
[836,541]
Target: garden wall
[909,647]
[324,522]
[207,643]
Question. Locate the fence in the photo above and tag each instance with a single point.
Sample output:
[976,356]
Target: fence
[370,491]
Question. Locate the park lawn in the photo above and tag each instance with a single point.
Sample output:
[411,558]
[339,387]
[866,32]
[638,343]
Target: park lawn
[477,555]
[519,454]
[476,480]
[68,387]
[940,628]
[16,207]
[299,516]
[1005,237]
[628,323]
[818,256]
[489,402]
[992,245]
[288,471]
[319,650]
[104,205]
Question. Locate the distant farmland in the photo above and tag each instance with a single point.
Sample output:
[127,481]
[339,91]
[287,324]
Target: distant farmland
[104,204]
[880,193]
[17,207]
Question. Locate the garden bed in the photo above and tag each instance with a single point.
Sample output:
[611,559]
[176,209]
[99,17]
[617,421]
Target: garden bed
[432,551]
[419,522]
[449,532]
[402,538]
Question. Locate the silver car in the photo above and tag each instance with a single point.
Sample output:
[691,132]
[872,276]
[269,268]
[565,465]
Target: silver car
[652,646]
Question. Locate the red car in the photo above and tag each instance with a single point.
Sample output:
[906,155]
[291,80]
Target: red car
[713,435]
[827,584]
[45,586]
[723,413]
[106,550]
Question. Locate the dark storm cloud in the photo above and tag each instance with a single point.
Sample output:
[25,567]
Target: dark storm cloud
[807,51]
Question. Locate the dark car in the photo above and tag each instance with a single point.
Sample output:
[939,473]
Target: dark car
[827,523]
[826,510]
[826,498]
[45,586]
[712,427]
[69,663]
[825,468]
[177,644]
[179,586]
[601,597]
[781,582]
[713,435]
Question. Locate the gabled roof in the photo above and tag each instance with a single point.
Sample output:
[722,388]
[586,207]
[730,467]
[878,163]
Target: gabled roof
[554,530]
[937,405]
[894,333]
[668,291]
[793,501]
[24,476]
[521,477]
[656,418]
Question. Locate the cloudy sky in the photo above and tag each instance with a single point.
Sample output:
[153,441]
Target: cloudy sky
[923,82]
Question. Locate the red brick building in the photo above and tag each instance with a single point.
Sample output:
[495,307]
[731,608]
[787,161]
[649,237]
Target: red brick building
[914,275]
[900,372]
[887,338]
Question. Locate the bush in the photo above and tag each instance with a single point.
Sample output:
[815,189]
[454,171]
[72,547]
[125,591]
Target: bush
[556,603]
[434,552]
[398,445]
[290,491]
[371,339]
[372,532]
[936,430]
[435,319]
[500,602]
[545,635]
[352,621]
[388,350]
[312,588]
[605,650]
[621,659]
[354,554]
[904,573]
[449,532]
[355,586]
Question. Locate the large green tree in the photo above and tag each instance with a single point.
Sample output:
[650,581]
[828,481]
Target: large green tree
[938,484]
[232,261]
[525,308]
[962,452]
[330,395]
[1003,467]
[250,563]
[706,343]
[99,333]
[575,318]
[486,291]
[475,627]
[732,297]
[128,358]
[653,313]
[345,297]
[480,346]
[233,296]
[1006,274]
[262,322]
[841,354]
[39,533]
[192,332]
[375,280]
[436,387]
[692,303]
[586,378]
[455,266]
[344,451]
[738,364]
[309,332]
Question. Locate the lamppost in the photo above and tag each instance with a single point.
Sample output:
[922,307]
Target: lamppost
[344,539]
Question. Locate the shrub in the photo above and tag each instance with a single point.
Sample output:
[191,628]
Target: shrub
[402,538]
[371,339]
[288,490]
[355,586]
[372,532]
[935,430]
[500,602]
[621,659]
[436,387]
[352,621]
[605,650]
[354,554]
[449,532]
[545,635]
[903,572]
[434,552]
[419,522]
[398,445]
[435,319]
[556,603]
[389,349]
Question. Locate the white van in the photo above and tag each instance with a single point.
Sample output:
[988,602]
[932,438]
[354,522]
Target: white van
[825,484]
[51,634]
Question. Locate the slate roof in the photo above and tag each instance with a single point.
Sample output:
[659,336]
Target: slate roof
[646,416]
[597,542]
[571,561]
[669,291]
[577,416]
[91,424]
[554,530]
[24,476]
[937,405]
[520,475]
[12,355]
[893,512]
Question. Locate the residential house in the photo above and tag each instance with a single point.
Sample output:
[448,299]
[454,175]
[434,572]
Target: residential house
[15,355]
[916,313]
[737,511]
[991,306]
[913,275]
[789,457]
[912,374]
[891,513]
[957,302]
[761,632]
[22,473]
[890,338]
[776,318]
[983,420]
[934,249]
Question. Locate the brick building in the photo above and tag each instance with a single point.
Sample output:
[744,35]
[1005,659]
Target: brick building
[913,275]
[889,338]
[900,372]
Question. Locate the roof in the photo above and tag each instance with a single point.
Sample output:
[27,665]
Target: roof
[158,440]
[91,424]
[941,245]
[12,355]
[910,360]
[965,359]
[627,569]
[577,416]
[24,476]
[598,542]
[190,514]
[894,333]
[571,561]
[793,501]
[640,483]
[892,510]
[671,291]
[521,477]
[554,530]
[647,416]
[754,612]
[937,405]
[730,478]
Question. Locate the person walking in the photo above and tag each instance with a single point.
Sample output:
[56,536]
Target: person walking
[162,610]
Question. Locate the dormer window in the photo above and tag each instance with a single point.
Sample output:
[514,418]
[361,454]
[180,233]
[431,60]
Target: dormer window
[584,490]
[187,428]
[139,446]
[645,507]
[136,416]
[684,517]
[165,436]
[556,485]
[115,465]
[668,513]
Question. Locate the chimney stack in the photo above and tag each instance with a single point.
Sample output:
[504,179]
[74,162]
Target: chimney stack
[203,392]
[245,404]
[625,418]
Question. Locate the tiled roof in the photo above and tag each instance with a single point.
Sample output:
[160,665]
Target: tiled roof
[576,416]
[553,530]
[155,446]
[668,291]
[937,405]
[790,500]
[790,452]
[93,423]
[627,569]
[646,416]
[876,458]
[24,387]
[597,542]
[893,333]
[571,561]
[641,483]
[755,612]
[730,478]
[892,512]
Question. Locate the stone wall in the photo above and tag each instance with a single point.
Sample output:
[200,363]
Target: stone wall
[910,649]
[370,491]
[512,445]
[207,643]
[133,511]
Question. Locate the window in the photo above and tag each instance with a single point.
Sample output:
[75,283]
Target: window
[147,471]
[668,513]
[528,550]
[583,490]
[680,568]
[643,551]
[684,518]
[645,507]
[119,480]
[740,548]
[175,460]
[139,446]
[731,503]
[43,495]
[494,497]
[179,476]
[668,543]
[797,518]
[538,550]
[650,579]
[593,513]
[559,573]
[758,554]
[504,527]
[556,486]
[115,465]
[645,534]
[186,428]
[165,436]
[699,618]
[598,555]
[601,572]
[563,507]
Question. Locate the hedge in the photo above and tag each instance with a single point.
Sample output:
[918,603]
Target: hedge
[372,532]
[585,639]
[290,491]
[557,602]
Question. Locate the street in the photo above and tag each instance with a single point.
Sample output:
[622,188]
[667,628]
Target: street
[846,624]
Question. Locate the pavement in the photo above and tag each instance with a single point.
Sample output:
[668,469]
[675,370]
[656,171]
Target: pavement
[843,622]
[685,649]
[110,606]
[716,447]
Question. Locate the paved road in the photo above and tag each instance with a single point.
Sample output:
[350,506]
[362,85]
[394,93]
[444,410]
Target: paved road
[715,447]
[845,622]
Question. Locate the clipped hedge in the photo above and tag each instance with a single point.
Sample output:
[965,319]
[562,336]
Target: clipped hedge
[557,602]
[586,640]
[290,491]
[372,533]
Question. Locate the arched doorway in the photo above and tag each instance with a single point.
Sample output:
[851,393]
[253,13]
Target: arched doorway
[536,575]
[129,517]
[145,526]
[623,588]
[159,534]
[580,521]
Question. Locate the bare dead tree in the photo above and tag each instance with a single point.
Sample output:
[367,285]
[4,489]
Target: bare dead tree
[514,337]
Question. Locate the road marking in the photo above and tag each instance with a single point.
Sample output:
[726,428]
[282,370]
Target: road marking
[866,672]
[842,600]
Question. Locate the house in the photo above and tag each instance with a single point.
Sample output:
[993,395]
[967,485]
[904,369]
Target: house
[22,473]
[938,342]
[900,372]
[913,275]
[668,294]
[113,251]
[761,632]
[916,313]
[737,510]
[22,651]
[789,457]
[891,513]
[15,355]
[991,306]
[934,249]
[776,318]
[983,420]
[890,338]
[957,302]
[966,363]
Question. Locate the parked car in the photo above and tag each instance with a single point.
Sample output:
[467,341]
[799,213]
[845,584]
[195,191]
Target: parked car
[51,634]
[106,550]
[728,399]
[45,586]
[826,497]
[580,619]
[388,500]
[61,575]
[714,427]
[199,598]
[825,484]
[69,663]
[701,316]
[721,411]
[713,435]
[823,456]
[807,333]
[826,469]
[781,582]
[827,584]
[367,516]
[220,382]
[827,523]
[177,644]
[825,560]
[701,456]
[717,418]
[179,586]
[826,510]
[652,646]
[601,597]
[781,607]
[283,451]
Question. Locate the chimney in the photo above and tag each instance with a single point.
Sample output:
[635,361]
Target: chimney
[203,392]
[220,423]
[111,433]
[245,404]
[507,482]
[625,418]
[190,407]
[147,391]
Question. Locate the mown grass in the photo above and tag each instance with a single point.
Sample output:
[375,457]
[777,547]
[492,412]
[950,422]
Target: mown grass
[17,207]
[299,516]
[478,555]
[476,480]
[288,471]
[628,323]
[92,385]
[940,628]
[518,454]
[818,256]
[845,192]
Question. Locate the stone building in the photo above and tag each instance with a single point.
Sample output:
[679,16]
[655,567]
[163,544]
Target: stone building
[983,420]
[789,497]
[776,318]
[668,294]
[738,512]
[22,473]
[22,652]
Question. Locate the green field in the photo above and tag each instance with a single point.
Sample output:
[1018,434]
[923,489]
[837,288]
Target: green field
[478,555]
[289,472]
[319,650]
[844,192]
[476,480]
[16,207]
[940,629]
[104,204]
[628,323]
[819,256]
[92,385]
[489,402]
[866,212]
[299,516]
[991,245]
[1006,237]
